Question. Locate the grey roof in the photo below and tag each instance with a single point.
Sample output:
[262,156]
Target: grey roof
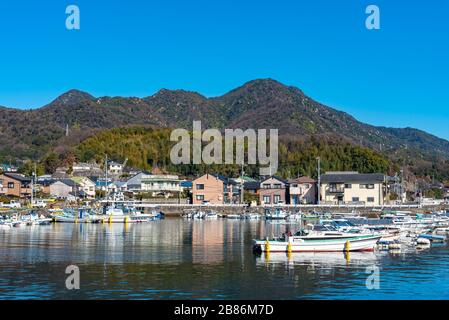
[352,177]
[17,176]
[252,185]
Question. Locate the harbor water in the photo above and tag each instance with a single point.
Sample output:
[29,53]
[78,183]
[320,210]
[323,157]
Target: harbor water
[200,259]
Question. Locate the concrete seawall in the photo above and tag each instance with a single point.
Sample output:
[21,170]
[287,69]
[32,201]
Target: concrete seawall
[177,210]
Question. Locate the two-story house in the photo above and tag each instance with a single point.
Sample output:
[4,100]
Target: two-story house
[213,189]
[273,191]
[350,187]
[302,190]
[16,185]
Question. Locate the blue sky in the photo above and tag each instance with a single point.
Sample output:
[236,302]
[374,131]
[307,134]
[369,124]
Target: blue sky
[396,76]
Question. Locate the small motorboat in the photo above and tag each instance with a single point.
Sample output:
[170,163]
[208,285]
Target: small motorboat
[432,237]
[211,215]
[252,216]
[277,214]
[5,225]
[233,216]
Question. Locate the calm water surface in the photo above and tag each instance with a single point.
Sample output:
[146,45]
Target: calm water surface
[178,259]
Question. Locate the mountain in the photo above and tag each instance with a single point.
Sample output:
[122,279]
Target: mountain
[263,103]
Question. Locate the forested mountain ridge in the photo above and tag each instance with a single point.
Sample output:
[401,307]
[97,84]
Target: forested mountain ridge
[263,103]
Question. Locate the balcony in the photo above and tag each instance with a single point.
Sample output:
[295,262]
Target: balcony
[336,189]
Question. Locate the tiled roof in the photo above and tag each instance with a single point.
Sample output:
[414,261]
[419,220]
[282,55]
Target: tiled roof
[352,177]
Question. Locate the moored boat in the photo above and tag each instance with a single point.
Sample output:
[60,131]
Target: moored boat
[302,242]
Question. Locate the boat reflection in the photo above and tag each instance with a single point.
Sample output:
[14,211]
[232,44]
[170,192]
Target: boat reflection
[325,259]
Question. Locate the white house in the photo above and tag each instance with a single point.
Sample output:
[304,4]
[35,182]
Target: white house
[115,168]
[86,185]
[62,188]
[302,190]
[350,187]
[158,184]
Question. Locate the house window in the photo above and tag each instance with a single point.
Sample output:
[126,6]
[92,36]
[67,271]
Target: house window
[348,185]
[11,185]
[267,199]
[367,186]
[266,186]
[307,186]
[370,199]
[294,186]
[277,198]
[355,199]
[200,187]
[200,197]
[277,186]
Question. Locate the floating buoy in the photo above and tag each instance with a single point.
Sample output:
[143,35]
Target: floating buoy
[110,219]
[289,247]
[102,220]
[76,220]
[347,246]
[126,219]
[267,246]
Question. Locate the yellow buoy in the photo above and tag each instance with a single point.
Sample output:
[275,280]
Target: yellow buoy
[110,219]
[76,220]
[289,247]
[347,246]
[126,219]
[267,246]
[102,220]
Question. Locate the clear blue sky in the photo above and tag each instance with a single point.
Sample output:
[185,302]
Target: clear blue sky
[397,76]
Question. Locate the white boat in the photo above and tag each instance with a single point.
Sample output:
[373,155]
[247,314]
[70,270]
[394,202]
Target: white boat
[5,226]
[277,214]
[118,215]
[211,215]
[252,216]
[233,216]
[294,217]
[318,242]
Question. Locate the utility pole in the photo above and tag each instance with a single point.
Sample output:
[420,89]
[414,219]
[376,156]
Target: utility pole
[32,184]
[242,186]
[319,179]
[106,178]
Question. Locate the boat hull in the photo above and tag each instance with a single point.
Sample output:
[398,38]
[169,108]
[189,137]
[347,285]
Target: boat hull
[334,245]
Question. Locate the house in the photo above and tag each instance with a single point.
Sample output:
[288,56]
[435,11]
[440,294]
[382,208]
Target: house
[86,185]
[213,189]
[351,187]
[63,188]
[16,185]
[134,184]
[82,169]
[273,191]
[161,184]
[8,168]
[302,190]
[115,168]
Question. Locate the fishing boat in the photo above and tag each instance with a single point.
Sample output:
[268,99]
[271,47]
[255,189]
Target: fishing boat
[233,216]
[114,214]
[251,216]
[68,215]
[294,217]
[277,214]
[306,241]
[211,215]
[432,237]
[5,225]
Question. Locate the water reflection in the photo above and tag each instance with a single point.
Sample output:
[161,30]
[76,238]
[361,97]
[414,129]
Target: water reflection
[177,258]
